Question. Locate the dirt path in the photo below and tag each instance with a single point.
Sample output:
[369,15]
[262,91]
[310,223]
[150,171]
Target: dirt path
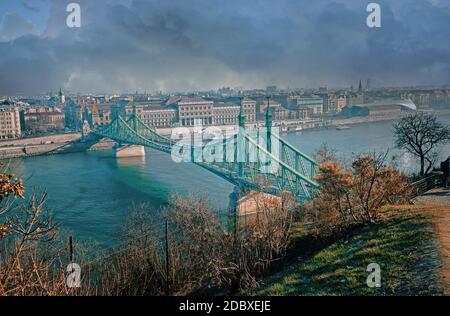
[437,203]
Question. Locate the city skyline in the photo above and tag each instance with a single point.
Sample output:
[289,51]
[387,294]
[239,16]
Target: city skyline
[203,45]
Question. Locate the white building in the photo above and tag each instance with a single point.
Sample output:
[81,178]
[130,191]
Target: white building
[313,103]
[9,121]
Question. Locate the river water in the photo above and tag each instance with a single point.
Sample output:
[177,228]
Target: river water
[91,193]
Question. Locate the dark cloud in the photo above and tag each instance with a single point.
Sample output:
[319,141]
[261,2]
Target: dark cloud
[202,44]
[14,26]
[30,6]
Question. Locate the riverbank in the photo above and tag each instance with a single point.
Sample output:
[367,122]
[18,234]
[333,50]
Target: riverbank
[380,118]
[32,146]
[51,144]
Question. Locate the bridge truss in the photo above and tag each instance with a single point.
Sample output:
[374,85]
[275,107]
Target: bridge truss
[249,159]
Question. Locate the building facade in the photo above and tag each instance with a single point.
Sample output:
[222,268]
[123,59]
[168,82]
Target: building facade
[158,117]
[192,110]
[272,104]
[313,103]
[329,102]
[341,102]
[44,119]
[225,114]
[9,121]
[249,110]
[101,114]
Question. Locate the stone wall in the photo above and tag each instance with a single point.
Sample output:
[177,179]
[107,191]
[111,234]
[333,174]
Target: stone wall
[60,138]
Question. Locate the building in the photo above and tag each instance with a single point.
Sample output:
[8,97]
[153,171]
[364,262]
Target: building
[422,100]
[283,114]
[304,113]
[341,102]
[355,98]
[157,116]
[382,108]
[273,104]
[440,98]
[44,119]
[192,110]
[101,114]
[225,114]
[129,108]
[329,102]
[360,98]
[9,120]
[313,103]
[249,110]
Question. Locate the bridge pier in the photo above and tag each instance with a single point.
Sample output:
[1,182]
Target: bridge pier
[246,206]
[123,151]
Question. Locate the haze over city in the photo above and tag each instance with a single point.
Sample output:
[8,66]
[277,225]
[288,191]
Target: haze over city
[178,45]
[242,149]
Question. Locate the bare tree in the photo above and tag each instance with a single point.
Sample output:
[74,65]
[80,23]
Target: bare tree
[420,134]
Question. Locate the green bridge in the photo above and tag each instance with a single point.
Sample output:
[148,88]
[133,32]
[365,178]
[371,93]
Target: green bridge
[272,165]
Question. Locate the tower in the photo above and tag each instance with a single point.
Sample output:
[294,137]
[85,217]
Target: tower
[62,98]
[368,84]
[360,94]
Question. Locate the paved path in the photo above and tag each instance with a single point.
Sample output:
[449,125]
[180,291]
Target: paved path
[437,203]
[439,197]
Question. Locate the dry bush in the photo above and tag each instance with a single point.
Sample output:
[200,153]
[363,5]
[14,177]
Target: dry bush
[201,255]
[204,256]
[29,255]
[197,250]
[33,255]
[136,267]
[353,193]
[262,238]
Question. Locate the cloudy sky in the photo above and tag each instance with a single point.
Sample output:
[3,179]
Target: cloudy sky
[180,45]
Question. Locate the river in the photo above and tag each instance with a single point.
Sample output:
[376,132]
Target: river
[91,193]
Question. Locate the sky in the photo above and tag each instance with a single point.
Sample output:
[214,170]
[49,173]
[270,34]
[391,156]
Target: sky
[186,45]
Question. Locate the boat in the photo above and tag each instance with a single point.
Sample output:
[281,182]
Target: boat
[294,128]
[342,127]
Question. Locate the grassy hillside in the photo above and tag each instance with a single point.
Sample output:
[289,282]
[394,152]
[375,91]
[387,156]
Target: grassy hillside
[403,244]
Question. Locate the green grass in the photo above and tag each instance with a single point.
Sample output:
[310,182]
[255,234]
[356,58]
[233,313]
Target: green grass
[403,245]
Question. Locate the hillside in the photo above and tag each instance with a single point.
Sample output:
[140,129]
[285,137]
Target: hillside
[405,243]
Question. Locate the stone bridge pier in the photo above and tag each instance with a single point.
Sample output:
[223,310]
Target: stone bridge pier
[123,151]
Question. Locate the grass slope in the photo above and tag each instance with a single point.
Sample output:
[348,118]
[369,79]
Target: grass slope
[403,244]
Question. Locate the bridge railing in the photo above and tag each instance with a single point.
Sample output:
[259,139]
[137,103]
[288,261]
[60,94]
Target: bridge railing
[296,159]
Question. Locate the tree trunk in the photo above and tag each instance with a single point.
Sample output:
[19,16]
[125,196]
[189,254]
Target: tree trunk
[422,166]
